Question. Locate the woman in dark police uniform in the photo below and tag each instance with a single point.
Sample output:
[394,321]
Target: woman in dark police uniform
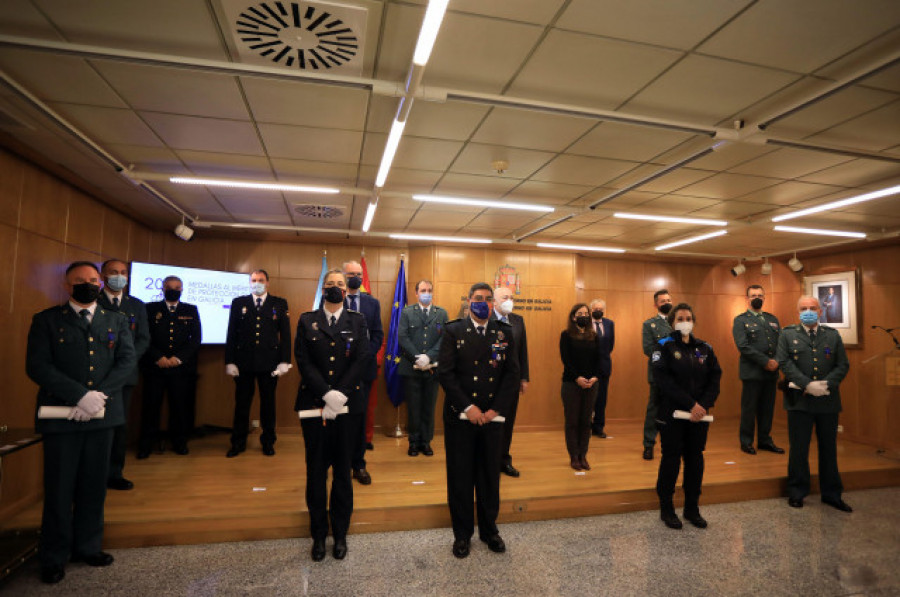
[580,355]
[687,373]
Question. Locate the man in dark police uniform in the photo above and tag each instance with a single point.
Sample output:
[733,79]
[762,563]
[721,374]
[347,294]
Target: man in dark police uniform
[480,378]
[80,355]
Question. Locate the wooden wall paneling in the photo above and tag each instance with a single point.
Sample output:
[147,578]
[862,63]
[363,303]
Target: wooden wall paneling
[878,266]
[85,222]
[420,266]
[11,184]
[40,271]
[246,256]
[300,261]
[550,269]
[215,390]
[138,243]
[662,274]
[693,277]
[628,390]
[44,204]
[8,246]
[115,238]
[459,264]
[625,275]
[201,252]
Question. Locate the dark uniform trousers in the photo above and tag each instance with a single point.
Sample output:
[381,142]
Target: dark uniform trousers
[328,446]
[473,459]
[652,331]
[800,426]
[175,383]
[599,421]
[120,438]
[77,465]
[578,405]
[757,410]
[681,439]
[650,429]
[421,390]
[243,394]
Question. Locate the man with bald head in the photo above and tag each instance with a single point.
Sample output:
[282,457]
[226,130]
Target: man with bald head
[814,363]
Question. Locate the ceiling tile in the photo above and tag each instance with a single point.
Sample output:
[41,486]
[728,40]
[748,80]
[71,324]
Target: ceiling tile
[205,134]
[675,205]
[504,221]
[152,159]
[770,32]
[54,78]
[475,186]
[306,104]
[207,163]
[731,209]
[728,155]
[876,130]
[831,111]
[727,186]
[585,70]
[448,120]
[789,193]
[413,152]
[404,180]
[707,90]
[548,192]
[476,158]
[790,163]
[426,221]
[175,91]
[330,173]
[309,143]
[109,125]
[855,173]
[627,142]
[672,181]
[629,199]
[678,24]
[573,169]
[887,79]
[20,17]
[531,130]
[538,12]
[392,219]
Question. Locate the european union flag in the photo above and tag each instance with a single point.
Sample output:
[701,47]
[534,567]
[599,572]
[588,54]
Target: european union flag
[392,353]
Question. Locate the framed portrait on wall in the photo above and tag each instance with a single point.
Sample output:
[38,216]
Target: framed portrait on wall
[838,295]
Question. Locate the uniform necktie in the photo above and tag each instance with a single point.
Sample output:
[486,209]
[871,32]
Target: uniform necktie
[481,330]
[86,315]
[172,309]
[116,302]
[812,335]
[352,298]
[504,319]
[258,303]
[333,321]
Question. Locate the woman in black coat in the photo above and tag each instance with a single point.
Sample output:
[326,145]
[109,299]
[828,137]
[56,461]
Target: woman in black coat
[580,355]
[687,373]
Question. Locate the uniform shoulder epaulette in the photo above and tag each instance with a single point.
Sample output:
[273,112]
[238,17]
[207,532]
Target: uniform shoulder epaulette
[308,312]
[793,326]
[825,327]
[454,320]
[665,340]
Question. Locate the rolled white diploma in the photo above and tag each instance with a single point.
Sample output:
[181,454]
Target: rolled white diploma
[63,412]
[497,419]
[683,414]
[317,412]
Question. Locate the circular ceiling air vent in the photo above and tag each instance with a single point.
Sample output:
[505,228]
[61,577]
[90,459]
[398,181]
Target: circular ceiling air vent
[319,212]
[297,34]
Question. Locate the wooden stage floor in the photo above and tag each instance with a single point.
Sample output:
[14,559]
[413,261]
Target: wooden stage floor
[206,498]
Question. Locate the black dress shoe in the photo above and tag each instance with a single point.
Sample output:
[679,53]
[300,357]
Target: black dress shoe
[363,476]
[695,519]
[119,483]
[413,450]
[598,433]
[771,448]
[584,464]
[671,519]
[648,453]
[495,543]
[233,451]
[461,548]
[369,446]
[747,448]
[52,574]
[143,454]
[101,558]
[317,553]
[839,504]
[268,450]
[340,549]
[795,502]
[426,450]
[181,449]
[509,469]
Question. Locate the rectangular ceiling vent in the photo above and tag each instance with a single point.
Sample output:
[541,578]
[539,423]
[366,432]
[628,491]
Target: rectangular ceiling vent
[310,36]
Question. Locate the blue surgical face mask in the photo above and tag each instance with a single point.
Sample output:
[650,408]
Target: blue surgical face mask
[425,298]
[481,309]
[117,283]
[257,288]
[809,317]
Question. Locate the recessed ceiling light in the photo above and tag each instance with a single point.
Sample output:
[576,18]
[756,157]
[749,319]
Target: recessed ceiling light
[821,231]
[692,239]
[838,204]
[249,184]
[431,25]
[497,204]
[444,239]
[673,219]
[580,248]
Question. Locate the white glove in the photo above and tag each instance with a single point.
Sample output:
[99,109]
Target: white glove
[77,414]
[422,361]
[329,413]
[818,388]
[281,369]
[334,400]
[232,370]
[92,402]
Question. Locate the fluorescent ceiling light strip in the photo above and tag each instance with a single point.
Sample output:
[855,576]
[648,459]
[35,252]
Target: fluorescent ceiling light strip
[431,24]
[693,239]
[260,186]
[838,204]
[449,239]
[482,203]
[370,213]
[580,248]
[390,149]
[672,219]
[821,231]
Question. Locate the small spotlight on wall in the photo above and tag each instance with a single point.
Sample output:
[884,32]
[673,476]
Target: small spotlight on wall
[739,269]
[795,264]
[184,232]
[766,267]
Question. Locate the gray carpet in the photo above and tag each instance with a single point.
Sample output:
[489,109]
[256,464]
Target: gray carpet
[750,548]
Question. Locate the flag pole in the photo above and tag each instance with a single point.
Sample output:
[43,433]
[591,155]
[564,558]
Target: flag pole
[398,430]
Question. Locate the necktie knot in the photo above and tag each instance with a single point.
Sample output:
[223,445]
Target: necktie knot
[480,330]
[85,314]
[258,303]
[504,319]
[116,302]
[353,302]
[172,309]
[333,321]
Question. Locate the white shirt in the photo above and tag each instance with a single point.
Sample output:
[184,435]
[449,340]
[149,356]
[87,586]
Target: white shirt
[262,296]
[112,296]
[78,309]
[336,314]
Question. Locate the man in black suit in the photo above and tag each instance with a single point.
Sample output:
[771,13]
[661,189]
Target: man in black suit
[480,380]
[371,309]
[113,298]
[80,355]
[257,350]
[503,310]
[606,337]
[170,366]
[332,353]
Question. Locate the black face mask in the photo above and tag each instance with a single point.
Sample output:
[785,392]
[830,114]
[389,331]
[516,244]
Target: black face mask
[583,321]
[665,308]
[354,282]
[333,294]
[172,295]
[756,304]
[85,293]
[597,314]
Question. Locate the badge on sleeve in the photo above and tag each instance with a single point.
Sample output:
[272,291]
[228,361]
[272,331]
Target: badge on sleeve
[656,356]
[676,354]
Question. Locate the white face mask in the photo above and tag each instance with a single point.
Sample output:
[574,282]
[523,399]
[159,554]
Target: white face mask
[685,327]
[506,307]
